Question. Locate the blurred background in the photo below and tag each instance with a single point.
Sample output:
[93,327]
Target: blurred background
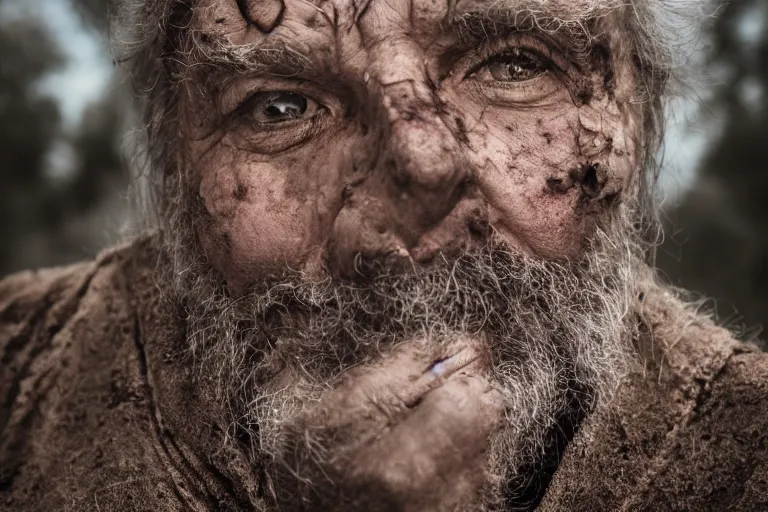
[64,115]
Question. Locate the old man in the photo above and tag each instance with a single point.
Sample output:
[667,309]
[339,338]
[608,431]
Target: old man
[402,262]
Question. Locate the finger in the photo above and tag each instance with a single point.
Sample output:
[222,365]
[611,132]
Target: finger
[437,452]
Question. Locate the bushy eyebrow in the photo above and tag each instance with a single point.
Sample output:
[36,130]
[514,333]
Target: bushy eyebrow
[276,58]
[473,26]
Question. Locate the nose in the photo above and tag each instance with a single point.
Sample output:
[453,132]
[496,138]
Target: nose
[411,178]
[421,157]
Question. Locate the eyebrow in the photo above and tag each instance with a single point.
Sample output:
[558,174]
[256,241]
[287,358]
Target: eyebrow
[565,12]
[503,18]
[278,58]
[471,22]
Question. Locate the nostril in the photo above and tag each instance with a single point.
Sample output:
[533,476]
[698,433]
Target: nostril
[366,265]
[478,225]
[399,175]
[464,187]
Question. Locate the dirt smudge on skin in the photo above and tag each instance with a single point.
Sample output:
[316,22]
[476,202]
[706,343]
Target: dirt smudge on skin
[594,193]
[559,185]
[591,178]
[597,195]
[226,241]
[241,192]
[461,131]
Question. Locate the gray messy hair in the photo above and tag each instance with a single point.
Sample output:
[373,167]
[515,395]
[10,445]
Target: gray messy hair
[154,44]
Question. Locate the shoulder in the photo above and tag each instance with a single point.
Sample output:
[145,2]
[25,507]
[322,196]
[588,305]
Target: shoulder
[687,431]
[73,409]
[34,306]
[722,453]
[31,295]
[27,297]
[715,454]
[37,305]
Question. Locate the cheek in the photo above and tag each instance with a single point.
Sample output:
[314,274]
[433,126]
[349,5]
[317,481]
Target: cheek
[260,216]
[547,177]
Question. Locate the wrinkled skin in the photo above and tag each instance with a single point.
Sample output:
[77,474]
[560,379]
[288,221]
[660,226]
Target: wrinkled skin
[385,409]
[410,141]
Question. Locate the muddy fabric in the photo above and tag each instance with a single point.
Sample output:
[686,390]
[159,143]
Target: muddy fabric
[99,410]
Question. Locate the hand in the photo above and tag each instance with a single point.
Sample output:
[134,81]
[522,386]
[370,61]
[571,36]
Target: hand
[409,433]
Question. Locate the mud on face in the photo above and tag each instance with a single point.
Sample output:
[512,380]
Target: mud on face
[337,136]
[425,181]
[437,386]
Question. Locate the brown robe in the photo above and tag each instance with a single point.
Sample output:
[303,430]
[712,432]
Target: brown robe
[99,412]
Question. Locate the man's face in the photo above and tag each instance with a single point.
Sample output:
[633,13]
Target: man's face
[347,132]
[420,214]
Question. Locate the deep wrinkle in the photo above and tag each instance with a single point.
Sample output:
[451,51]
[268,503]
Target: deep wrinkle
[442,187]
[279,56]
[437,299]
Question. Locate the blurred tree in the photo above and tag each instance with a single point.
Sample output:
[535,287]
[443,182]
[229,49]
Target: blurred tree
[28,125]
[717,239]
[94,12]
[58,183]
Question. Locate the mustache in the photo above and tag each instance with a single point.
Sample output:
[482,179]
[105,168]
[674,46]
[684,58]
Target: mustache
[326,326]
[467,286]
[557,333]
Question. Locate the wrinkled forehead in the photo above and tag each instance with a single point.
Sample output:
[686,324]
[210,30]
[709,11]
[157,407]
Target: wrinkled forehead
[348,26]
